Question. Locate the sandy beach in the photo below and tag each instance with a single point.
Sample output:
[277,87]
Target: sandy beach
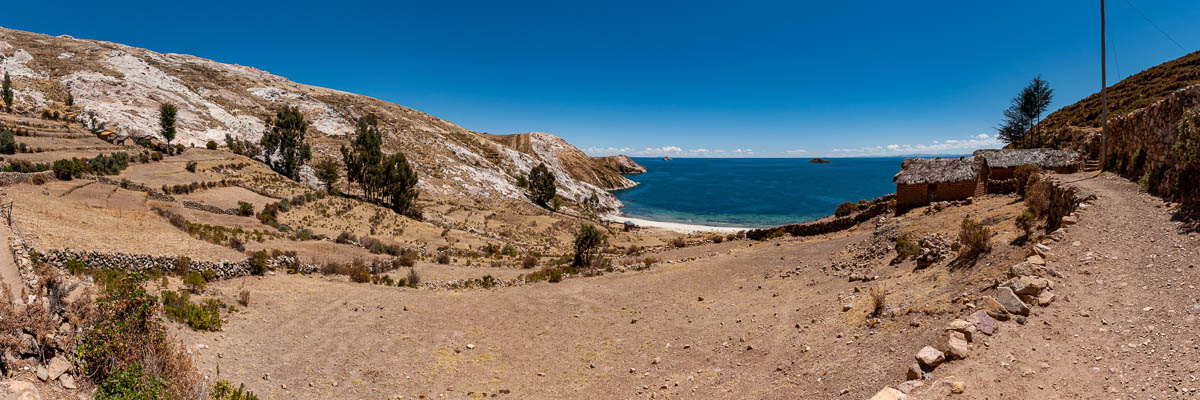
[674,226]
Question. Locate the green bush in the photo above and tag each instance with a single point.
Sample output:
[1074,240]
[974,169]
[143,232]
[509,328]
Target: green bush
[194,282]
[190,166]
[131,383]
[443,258]
[587,244]
[8,144]
[182,265]
[258,263]
[203,317]
[211,145]
[1026,221]
[245,209]
[223,390]
[541,185]
[906,248]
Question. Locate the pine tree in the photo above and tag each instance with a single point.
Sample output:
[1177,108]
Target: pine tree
[384,179]
[328,173]
[1024,112]
[166,121]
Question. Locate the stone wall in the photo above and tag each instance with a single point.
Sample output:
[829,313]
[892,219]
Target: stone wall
[1153,130]
[144,263]
[128,185]
[209,208]
[827,225]
[13,178]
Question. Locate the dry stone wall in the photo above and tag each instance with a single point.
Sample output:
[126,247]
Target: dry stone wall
[1152,130]
[145,263]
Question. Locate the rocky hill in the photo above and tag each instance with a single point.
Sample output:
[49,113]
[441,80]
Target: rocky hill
[622,164]
[1074,124]
[123,86]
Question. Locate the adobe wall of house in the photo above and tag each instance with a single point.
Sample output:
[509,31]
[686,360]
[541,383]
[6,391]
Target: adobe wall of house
[1154,130]
[909,196]
[1000,174]
[954,191]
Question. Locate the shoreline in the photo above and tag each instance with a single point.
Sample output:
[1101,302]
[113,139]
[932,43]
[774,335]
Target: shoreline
[674,226]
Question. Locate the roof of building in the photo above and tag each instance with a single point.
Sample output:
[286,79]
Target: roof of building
[1044,158]
[915,171]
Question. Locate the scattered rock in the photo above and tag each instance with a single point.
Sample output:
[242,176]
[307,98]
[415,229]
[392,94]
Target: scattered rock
[930,357]
[910,385]
[470,346]
[67,381]
[994,309]
[1024,268]
[967,329]
[957,387]
[1036,260]
[1045,298]
[58,366]
[914,372]
[1027,285]
[889,393]
[983,323]
[43,373]
[956,345]
[1011,302]
[1070,220]
[19,390]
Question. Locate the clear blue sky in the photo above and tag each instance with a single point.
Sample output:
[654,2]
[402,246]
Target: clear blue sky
[777,78]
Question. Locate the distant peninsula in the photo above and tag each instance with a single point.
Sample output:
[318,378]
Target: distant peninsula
[819,161]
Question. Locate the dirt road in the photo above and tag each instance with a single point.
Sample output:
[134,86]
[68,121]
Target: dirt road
[1125,326]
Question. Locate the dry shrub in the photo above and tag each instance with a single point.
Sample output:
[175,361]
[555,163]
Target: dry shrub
[443,258]
[878,301]
[413,279]
[844,209]
[529,262]
[905,248]
[1025,174]
[244,298]
[650,261]
[1026,222]
[975,239]
[679,242]
[1038,197]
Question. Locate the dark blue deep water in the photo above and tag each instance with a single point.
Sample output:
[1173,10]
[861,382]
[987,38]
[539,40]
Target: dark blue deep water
[752,192]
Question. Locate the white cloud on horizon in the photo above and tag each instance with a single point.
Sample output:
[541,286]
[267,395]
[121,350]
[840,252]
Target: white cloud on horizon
[946,146]
[949,146]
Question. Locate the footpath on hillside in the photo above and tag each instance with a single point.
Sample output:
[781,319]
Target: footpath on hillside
[1125,324]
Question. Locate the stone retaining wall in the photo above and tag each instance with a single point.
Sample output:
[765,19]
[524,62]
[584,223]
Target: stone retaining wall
[128,185]
[827,225]
[1152,129]
[144,263]
[209,208]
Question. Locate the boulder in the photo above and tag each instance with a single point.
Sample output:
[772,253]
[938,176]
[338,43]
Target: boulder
[1036,260]
[18,390]
[1045,298]
[956,345]
[58,366]
[914,372]
[994,309]
[1011,302]
[1027,285]
[1070,220]
[67,381]
[889,393]
[930,357]
[1024,268]
[42,373]
[983,323]
[967,329]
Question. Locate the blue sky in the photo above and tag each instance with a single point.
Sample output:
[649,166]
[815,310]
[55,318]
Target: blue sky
[682,78]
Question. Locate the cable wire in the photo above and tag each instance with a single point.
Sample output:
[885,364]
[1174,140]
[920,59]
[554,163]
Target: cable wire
[1139,12]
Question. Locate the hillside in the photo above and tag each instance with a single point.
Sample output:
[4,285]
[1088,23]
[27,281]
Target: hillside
[1071,124]
[124,86]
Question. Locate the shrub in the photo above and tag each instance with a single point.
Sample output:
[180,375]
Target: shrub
[8,144]
[360,274]
[844,209]
[65,169]
[718,239]
[203,317]
[878,301]
[346,238]
[443,258]
[679,242]
[223,390]
[413,279]
[258,262]
[195,282]
[906,248]
[131,383]
[1025,222]
[407,258]
[529,262]
[244,298]
[1025,174]
[1187,149]
[211,145]
[975,239]
[190,166]
[541,185]
[245,209]
[649,261]
[182,265]
[1038,198]
[587,244]
[236,244]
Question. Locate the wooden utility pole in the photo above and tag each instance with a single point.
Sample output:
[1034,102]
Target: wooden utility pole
[1103,93]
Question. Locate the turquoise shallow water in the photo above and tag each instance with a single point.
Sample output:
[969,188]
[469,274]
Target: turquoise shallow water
[753,192]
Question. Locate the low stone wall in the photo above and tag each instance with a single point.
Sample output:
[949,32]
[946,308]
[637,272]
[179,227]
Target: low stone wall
[878,207]
[144,263]
[13,178]
[1002,186]
[128,185]
[209,208]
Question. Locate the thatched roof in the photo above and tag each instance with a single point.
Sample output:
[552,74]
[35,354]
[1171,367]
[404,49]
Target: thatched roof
[1044,158]
[915,171]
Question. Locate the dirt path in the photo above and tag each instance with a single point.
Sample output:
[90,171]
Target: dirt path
[9,273]
[1124,326]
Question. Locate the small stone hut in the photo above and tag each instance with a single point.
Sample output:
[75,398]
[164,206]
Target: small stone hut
[925,180]
[1002,162]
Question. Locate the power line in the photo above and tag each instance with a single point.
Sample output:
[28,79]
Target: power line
[1135,9]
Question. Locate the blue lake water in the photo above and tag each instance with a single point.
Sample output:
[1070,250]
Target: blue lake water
[754,192]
